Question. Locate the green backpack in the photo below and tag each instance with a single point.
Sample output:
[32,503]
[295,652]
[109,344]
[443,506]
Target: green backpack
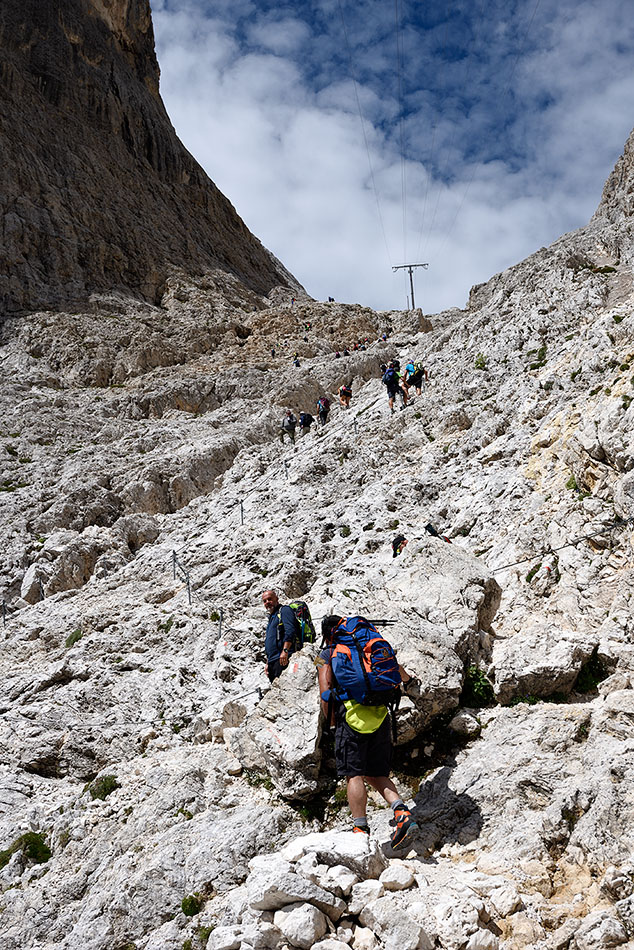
[303,624]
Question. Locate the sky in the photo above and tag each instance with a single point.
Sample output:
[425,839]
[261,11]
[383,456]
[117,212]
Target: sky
[353,137]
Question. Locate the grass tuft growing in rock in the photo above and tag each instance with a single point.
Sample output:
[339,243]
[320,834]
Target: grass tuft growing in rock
[102,787]
[191,905]
[32,844]
[73,637]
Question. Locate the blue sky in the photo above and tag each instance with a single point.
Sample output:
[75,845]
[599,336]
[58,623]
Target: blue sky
[355,136]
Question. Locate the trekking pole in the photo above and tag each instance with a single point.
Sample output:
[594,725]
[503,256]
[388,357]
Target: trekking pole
[382,623]
[174,563]
[220,623]
[189,590]
[241,513]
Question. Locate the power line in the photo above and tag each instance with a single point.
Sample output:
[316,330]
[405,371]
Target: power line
[399,73]
[365,138]
[502,98]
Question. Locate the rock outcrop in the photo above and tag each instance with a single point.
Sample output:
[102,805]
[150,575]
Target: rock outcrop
[96,191]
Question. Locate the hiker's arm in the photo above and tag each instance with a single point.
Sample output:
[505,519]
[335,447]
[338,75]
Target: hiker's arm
[405,676]
[288,622]
[325,682]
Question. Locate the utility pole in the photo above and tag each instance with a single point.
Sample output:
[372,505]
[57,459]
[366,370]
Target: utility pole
[410,268]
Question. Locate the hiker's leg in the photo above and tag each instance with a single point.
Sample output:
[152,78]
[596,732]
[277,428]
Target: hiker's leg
[357,795]
[385,786]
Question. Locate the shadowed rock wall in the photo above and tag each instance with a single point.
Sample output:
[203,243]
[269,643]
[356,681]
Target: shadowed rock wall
[96,190]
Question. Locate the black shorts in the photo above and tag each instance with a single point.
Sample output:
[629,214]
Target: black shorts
[358,753]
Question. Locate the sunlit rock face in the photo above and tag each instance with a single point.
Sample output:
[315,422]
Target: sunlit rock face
[96,190]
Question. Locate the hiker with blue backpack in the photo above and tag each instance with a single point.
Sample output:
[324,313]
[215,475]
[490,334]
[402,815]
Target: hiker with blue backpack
[391,379]
[359,681]
[288,628]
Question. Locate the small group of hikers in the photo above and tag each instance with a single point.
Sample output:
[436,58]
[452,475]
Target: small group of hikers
[288,424]
[360,683]
[398,382]
[358,345]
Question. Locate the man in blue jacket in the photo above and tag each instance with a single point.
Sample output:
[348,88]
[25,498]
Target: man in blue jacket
[281,633]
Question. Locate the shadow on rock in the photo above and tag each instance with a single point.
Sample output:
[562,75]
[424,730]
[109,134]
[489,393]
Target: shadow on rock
[443,815]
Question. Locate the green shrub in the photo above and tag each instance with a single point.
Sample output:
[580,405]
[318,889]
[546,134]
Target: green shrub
[214,616]
[257,779]
[393,525]
[191,905]
[165,625]
[72,638]
[32,844]
[618,317]
[345,531]
[102,787]
[572,483]
[477,690]
[480,361]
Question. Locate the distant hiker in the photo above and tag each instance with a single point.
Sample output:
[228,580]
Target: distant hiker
[414,375]
[391,380]
[323,408]
[398,544]
[305,422]
[331,300]
[346,352]
[272,351]
[292,301]
[288,426]
[345,395]
[429,528]
[296,360]
[384,337]
[363,741]
[281,632]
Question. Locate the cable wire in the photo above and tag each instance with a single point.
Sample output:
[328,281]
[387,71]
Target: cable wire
[365,138]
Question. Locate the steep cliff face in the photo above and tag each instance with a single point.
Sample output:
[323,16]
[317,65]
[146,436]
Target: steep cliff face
[96,190]
[617,200]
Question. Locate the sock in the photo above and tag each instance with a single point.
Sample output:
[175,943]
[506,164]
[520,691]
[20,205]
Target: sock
[360,822]
[399,803]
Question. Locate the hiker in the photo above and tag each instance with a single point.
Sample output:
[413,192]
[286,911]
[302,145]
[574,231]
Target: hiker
[288,426]
[414,375]
[305,422]
[281,632]
[323,408]
[363,741]
[391,380]
[272,351]
[345,395]
[398,544]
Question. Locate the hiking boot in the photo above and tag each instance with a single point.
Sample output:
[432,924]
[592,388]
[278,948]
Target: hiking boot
[406,828]
[361,831]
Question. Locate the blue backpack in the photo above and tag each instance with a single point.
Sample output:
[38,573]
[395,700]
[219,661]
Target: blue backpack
[390,377]
[364,665]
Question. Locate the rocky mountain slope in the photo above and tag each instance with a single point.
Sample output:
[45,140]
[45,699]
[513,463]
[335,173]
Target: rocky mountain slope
[156,792]
[141,740]
[96,191]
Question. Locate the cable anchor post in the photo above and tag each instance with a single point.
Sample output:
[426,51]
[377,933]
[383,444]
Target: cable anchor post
[221,612]
[241,513]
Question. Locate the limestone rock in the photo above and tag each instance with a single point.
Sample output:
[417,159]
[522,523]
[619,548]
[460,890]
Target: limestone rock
[394,926]
[396,877]
[277,890]
[301,924]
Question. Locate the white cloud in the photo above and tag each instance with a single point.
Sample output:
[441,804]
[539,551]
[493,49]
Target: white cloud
[261,101]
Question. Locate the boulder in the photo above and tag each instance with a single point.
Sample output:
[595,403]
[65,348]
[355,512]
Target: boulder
[284,730]
[274,890]
[391,922]
[301,924]
[362,855]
